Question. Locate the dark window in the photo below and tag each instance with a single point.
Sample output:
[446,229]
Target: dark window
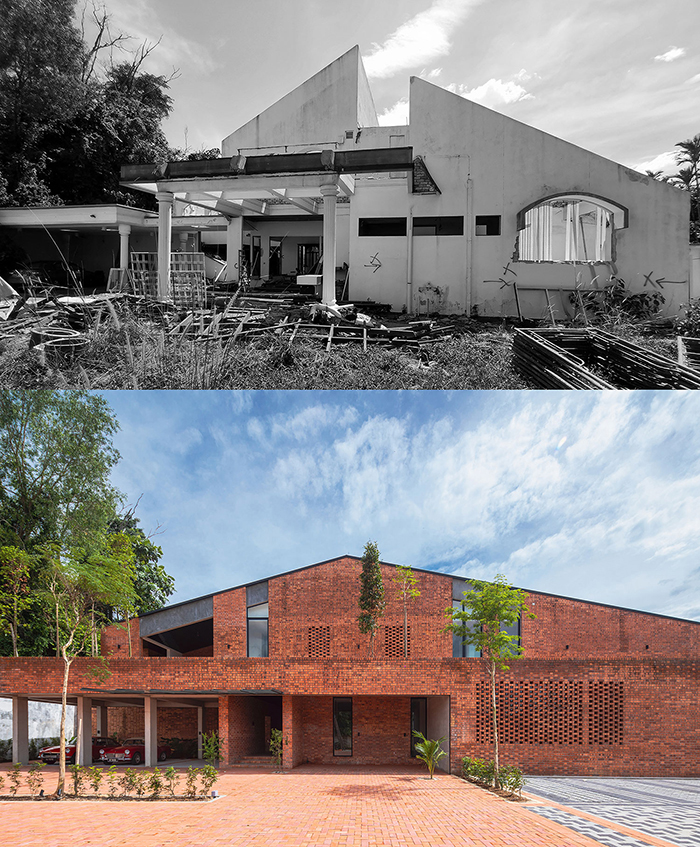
[439,226]
[342,726]
[513,629]
[488,224]
[257,617]
[382,226]
[419,719]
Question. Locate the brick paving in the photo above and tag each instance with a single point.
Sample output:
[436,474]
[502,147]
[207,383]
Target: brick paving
[312,806]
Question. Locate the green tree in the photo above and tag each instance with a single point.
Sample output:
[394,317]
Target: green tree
[405,580]
[14,590]
[78,579]
[372,602]
[689,176]
[493,605]
[56,454]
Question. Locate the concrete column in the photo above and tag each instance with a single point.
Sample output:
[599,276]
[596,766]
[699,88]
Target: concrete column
[102,726]
[165,219]
[20,730]
[150,720]
[84,719]
[200,730]
[265,256]
[234,243]
[124,233]
[183,241]
[329,193]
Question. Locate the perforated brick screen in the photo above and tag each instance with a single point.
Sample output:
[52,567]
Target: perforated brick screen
[393,641]
[319,642]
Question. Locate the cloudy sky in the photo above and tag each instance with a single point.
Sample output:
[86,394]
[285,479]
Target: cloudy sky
[619,77]
[585,494]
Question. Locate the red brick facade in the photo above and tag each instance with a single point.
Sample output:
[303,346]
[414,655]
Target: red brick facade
[601,690]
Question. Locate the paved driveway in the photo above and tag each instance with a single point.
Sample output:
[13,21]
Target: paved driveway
[623,812]
[341,806]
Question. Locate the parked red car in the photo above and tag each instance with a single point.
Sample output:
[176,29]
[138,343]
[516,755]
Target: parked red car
[132,751]
[50,755]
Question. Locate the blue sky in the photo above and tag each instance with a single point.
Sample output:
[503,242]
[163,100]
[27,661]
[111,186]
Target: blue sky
[585,494]
[619,77]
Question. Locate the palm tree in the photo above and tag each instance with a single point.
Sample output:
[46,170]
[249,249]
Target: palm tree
[689,155]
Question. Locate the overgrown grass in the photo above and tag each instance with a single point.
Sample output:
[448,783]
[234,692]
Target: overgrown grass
[140,355]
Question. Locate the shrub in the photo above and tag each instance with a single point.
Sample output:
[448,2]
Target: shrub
[2,783]
[6,750]
[511,778]
[478,769]
[156,783]
[15,777]
[35,777]
[276,746]
[127,781]
[172,777]
[141,779]
[35,745]
[689,324]
[209,777]
[95,775]
[112,782]
[191,781]
[78,772]
[211,746]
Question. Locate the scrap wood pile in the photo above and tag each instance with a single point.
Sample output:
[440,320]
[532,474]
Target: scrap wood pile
[64,325]
[594,358]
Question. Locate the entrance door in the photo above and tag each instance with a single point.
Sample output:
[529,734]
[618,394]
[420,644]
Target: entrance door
[275,266]
[419,719]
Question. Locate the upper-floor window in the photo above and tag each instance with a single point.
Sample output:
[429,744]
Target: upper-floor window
[384,227]
[569,228]
[257,619]
[460,650]
[442,225]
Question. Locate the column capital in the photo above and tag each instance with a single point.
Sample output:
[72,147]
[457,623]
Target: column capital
[124,229]
[165,196]
[329,190]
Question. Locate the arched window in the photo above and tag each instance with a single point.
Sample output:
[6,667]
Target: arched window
[569,228]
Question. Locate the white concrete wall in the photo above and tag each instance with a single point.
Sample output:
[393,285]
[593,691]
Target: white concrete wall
[377,198]
[438,726]
[318,112]
[512,165]
[694,270]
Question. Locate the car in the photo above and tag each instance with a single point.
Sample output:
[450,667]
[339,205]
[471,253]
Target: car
[50,755]
[132,751]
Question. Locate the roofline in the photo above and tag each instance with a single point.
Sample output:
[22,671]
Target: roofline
[418,570]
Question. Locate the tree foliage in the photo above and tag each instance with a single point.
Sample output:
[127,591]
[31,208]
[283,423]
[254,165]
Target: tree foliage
[372,602]
[493,606]
[405,581]
[71,120]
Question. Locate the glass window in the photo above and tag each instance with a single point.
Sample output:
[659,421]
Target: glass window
[259,611]
[342,726]
[257,638]
[382,226]
[419,719]
[460,650]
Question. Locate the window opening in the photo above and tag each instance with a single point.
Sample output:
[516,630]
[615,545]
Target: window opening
[488,225]
[342,726]
[257,617]
[381,227]
[460,650]
[446,225]
[419,720]
[567,229]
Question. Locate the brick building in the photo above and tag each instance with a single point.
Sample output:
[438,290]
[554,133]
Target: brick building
[602,690]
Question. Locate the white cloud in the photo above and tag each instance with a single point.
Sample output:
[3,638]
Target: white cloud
[396,115]
[665,162]
[434,74]
[670,55]
[419,40]
[694,80]
[495,92]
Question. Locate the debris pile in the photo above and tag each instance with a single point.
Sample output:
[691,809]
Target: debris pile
[594,358]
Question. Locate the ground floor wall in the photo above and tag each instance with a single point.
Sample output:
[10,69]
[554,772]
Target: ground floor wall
[623,717]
